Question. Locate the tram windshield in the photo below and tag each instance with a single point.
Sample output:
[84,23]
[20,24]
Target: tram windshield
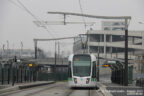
[81,65]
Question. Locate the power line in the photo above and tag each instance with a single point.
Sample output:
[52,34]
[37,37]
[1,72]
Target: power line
[35,17]
[11,1]
[84,25]
[27,10]
[48,31]
[82,13]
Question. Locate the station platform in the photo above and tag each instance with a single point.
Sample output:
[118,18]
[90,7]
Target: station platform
[112,89]
[19,86]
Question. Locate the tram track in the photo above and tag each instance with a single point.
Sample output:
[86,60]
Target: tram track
[94,92]
[67,91]
[45,87]
[89,92]
[83,92]
[60,89]
[30,94]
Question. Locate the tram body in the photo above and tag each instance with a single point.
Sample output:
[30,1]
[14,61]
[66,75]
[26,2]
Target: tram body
[82,70]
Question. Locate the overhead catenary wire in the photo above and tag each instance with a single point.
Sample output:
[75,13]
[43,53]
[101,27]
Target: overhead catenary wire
[82,13]
[35,17]
[14,3]
[82,17]
[83,43]
[23,8]
[27,10]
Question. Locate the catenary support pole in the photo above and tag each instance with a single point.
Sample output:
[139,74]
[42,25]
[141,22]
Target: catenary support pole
[35,44]
[55,61]
[126,53]
[98,63]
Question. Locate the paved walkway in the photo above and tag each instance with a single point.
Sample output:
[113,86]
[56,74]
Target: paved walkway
[111,89]
[17,86]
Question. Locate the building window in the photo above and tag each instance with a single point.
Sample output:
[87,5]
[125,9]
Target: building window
[93,49]
[107,28]
[116,24]
[108,50]
[97,38]
[117,28]
[108,38]
[116,38]
[107,23]
[122,23]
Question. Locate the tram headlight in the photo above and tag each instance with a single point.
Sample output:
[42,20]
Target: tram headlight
[75,80]
[87,80]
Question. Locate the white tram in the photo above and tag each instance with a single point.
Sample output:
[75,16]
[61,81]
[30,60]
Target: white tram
[82,70]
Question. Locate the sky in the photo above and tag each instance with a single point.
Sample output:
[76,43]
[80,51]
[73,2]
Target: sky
[16,24]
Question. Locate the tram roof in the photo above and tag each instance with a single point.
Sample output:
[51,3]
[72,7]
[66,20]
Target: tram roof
[93,58]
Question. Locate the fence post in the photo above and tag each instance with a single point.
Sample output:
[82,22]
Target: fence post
[8,74]
[17,74]
[21,74]
[13,81]
[2,76]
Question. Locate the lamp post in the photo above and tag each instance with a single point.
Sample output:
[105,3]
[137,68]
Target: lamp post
[55,60]
[21,49]
[35,46]
[3,55]
[98,64]
[7,49]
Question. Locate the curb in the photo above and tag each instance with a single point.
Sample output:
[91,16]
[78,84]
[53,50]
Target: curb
[13,88]
[104,91]
[34,85]
[19,87]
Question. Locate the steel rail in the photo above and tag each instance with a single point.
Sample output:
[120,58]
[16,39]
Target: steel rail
[17,91]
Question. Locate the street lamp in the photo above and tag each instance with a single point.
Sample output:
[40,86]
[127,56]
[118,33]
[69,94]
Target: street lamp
[21,49]
[7,49]
[98,61]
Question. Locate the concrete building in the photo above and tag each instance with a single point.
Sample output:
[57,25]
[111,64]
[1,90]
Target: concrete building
[110,41]
[113,25]
[139,62]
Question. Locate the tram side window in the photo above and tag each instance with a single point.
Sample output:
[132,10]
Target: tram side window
[69,70]
[94,70]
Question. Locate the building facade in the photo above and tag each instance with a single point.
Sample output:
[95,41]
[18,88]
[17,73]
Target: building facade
[139,62]
[110,41]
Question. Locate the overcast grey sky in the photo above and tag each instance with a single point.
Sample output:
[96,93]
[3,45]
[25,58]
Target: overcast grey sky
[17,25]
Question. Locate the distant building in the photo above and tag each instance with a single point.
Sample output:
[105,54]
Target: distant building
[10,53]
[22,53]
